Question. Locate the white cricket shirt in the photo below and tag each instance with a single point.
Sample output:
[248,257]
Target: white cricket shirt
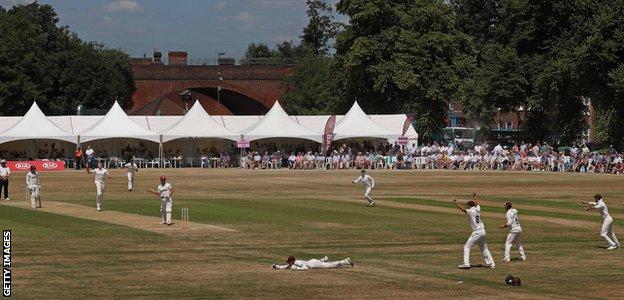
[474,218]
[512,218]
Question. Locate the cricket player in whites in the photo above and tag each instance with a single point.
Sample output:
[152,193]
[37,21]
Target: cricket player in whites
[368,183]
[33,187]
[607,223]
[100,174]
[478,236]
[514,232]
[132,168]
[295,264]
[164,191]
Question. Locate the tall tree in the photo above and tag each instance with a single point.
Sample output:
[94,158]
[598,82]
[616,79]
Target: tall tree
[402,56]
[259,50]
[320,29]
[40,61]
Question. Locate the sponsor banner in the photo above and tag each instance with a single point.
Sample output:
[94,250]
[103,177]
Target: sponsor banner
[407,123]
[242,143]
[328,134]
[17,166]
[402,140]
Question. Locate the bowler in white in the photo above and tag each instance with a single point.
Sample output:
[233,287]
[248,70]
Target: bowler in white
[132,168]
[607,223]
[368,183]
[513,237]
[478,236]
[100,175]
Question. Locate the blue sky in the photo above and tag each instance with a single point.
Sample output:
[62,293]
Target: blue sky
[202,27]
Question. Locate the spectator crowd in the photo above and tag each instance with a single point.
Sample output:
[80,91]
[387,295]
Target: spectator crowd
[539,157]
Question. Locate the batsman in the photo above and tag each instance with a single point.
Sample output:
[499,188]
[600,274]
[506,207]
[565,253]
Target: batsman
[33,186]
[164,191]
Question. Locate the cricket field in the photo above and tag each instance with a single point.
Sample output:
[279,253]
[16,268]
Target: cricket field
[242,221]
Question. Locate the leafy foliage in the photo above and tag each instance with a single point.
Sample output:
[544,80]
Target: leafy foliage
[40,61]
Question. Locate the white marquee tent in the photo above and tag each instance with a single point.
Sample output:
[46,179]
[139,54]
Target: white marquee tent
[277,124]
[35,125]
[197,123]
[116,124]
[356,124]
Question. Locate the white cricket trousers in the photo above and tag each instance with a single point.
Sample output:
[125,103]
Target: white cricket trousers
[166,208]
[478,238]
[513,238]
[367,192]
[607,232]
[319,264]
[130,181]
[99,196]
[33,191]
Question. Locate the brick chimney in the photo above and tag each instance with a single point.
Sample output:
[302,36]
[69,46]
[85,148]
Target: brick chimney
[157,57]
[178,58]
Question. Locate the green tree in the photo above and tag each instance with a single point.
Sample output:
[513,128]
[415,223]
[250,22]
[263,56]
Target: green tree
[320,29]
[40,61]
[311,87]
[402,56]
[259,50]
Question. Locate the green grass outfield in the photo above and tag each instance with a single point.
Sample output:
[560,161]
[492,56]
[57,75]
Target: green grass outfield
[408,246]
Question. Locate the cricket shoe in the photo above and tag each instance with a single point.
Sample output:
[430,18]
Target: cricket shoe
[99,207]
[505,260]
[491,266]
[612,247]
[372,204]
[325,259]
[464,266]
[6,199]
[522,258]
[350,262]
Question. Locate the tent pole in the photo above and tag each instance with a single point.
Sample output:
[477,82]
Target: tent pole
[160,151]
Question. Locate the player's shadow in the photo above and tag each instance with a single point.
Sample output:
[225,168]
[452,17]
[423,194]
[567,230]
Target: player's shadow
[602,247]
[479,266]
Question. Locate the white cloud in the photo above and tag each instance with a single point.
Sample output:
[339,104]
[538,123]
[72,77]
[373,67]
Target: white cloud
[108,20]
[244,17]
[123,6]
[221,5]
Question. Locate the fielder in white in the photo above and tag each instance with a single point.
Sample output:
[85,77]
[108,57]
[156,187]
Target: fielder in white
[132,168]
[478,236]
[513,237]
[323,263]
[100,174]
[33,187]
[164,191]
[607,223]
[368,183]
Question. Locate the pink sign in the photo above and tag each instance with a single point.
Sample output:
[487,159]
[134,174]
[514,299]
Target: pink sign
[244,143]
[17,166]
[402,140]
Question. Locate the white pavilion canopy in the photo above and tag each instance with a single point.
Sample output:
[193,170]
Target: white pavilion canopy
[35,125]
[197,123]
[356,124]
[277,124]
[116,124]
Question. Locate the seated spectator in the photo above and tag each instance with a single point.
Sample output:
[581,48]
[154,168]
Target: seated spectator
[291,161]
